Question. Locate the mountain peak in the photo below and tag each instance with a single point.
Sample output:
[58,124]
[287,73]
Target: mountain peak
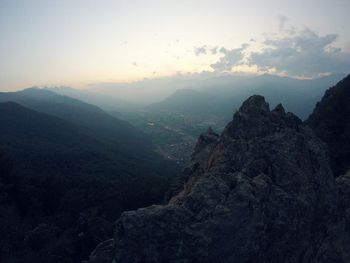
[254,119]
[279,109]
[255,104]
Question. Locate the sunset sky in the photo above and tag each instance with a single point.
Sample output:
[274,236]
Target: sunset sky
[78,43]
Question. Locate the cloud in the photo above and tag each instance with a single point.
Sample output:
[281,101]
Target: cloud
[292,52]
[205,50]
[134,64]
[231,58]
[304,53]
[200,50]
[284,27]
[347,47]
[214,50]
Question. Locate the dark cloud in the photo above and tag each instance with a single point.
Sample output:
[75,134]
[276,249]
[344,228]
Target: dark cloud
[304,53]
[231,58]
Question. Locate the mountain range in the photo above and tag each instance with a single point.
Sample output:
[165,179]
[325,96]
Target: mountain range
[222,95]
[175,122]
[112,139]
[67,171]
[265,187]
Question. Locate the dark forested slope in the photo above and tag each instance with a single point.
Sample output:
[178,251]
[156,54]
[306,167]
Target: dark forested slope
[61,188]
[131,148]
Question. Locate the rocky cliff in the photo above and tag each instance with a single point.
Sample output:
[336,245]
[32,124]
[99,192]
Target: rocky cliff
[331,122]
[262,191]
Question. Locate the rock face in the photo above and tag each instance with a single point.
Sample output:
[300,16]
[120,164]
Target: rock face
[336,246]
[262,191]
[331,122]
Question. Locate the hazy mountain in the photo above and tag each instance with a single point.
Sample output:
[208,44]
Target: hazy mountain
[222,95]
[187,101]
[106,102]
[75,111]
[150,91]
[298,96]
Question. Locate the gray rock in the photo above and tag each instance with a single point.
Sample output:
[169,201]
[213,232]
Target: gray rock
[262,191]
[104,252]
[336,246]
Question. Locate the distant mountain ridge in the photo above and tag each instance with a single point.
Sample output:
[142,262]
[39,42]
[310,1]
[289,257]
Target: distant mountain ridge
[187,101]
[227,94]
[77,112]
[127,144]
[106,102]
[149,91]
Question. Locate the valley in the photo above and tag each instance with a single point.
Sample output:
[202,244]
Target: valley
[173,134]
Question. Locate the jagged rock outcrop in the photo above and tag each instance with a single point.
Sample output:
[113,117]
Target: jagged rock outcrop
[262,191]
[331,122]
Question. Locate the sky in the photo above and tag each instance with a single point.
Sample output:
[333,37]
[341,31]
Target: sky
[82,42]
